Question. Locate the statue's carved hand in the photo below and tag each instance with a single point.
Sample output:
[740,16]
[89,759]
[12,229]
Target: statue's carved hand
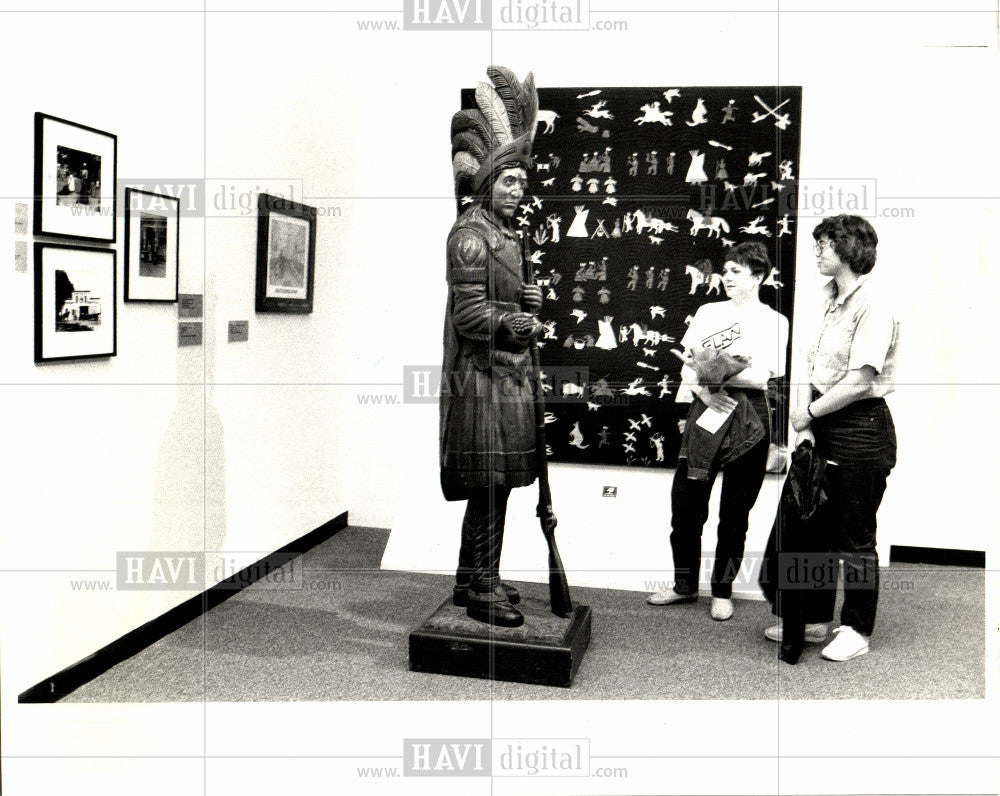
[522,327]
[531,297]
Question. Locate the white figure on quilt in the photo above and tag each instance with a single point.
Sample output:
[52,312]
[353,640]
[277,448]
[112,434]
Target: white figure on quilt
[554,221]
[781,121]
[696,171]
[607,339]
[756,227]
[701,273]
[599,111]
[716,224]
[772,279]
[576,437]
[657,442]
[699,115]
[578,229]
[651,113]
[635,387]
[548,118]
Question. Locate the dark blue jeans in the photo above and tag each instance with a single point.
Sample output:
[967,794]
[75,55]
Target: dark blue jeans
[860,440]
[741,482]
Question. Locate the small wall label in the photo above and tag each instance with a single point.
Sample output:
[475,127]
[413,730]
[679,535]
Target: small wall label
[21,256]
[190,305]
[20,218]
[239,331]
[189,333]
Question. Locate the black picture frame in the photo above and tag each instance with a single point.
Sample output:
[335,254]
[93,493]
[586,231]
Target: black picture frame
[76,175]
[76,313]
[152,246]
[286,255]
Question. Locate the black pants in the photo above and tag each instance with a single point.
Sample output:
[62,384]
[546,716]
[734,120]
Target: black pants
[860,440]
[741,482]
[482,539]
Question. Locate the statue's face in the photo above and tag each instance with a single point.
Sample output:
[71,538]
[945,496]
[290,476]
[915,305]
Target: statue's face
[508,191]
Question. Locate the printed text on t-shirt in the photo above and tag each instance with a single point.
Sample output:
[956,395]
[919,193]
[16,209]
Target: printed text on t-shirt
[723,339]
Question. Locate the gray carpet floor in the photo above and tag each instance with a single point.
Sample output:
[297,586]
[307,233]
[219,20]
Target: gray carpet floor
[343,636]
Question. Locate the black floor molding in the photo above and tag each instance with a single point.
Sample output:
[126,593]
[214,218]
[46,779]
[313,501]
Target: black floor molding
[902,554]
[53,688]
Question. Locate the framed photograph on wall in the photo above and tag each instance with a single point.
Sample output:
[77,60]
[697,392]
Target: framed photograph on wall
[152,241]
[75,309]
[75,172]
[286,255]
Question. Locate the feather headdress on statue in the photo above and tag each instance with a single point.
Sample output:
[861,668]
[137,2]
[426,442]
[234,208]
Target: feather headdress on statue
[497,134]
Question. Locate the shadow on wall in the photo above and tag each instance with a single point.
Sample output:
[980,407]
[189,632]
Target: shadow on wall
[189,482]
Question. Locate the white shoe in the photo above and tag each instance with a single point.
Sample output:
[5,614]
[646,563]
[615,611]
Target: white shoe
[722,609]
[814,632]
[670,597]
[849,643]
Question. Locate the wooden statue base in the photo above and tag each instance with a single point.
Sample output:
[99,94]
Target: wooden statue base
[545,650]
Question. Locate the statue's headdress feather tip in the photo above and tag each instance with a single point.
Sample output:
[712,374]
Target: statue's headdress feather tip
[505,80]
[493,108]
[530,104]
[508,87]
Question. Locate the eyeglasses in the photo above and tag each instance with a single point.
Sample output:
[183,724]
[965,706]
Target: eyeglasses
[822,245]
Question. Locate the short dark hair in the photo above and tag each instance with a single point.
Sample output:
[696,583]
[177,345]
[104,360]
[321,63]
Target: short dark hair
[853,239]
[751,254]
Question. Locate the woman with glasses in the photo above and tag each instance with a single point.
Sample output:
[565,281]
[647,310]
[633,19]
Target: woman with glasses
[841,409]
[754,337]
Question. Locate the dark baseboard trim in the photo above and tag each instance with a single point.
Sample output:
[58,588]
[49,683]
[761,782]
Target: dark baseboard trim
[53,688]
[901,554]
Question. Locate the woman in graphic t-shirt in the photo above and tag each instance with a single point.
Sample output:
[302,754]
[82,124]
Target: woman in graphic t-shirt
[742,326]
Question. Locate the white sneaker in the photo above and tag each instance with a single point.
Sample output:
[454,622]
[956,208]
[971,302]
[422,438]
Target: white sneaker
[722,609]
[670,597]
[849,643]
[814,632]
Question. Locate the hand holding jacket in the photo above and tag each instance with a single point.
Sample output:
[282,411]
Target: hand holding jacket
[713,368]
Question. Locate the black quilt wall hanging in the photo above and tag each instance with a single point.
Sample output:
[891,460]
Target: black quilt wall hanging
[635,197]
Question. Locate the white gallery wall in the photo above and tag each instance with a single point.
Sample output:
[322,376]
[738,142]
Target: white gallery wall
[104,455]
[235,449]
